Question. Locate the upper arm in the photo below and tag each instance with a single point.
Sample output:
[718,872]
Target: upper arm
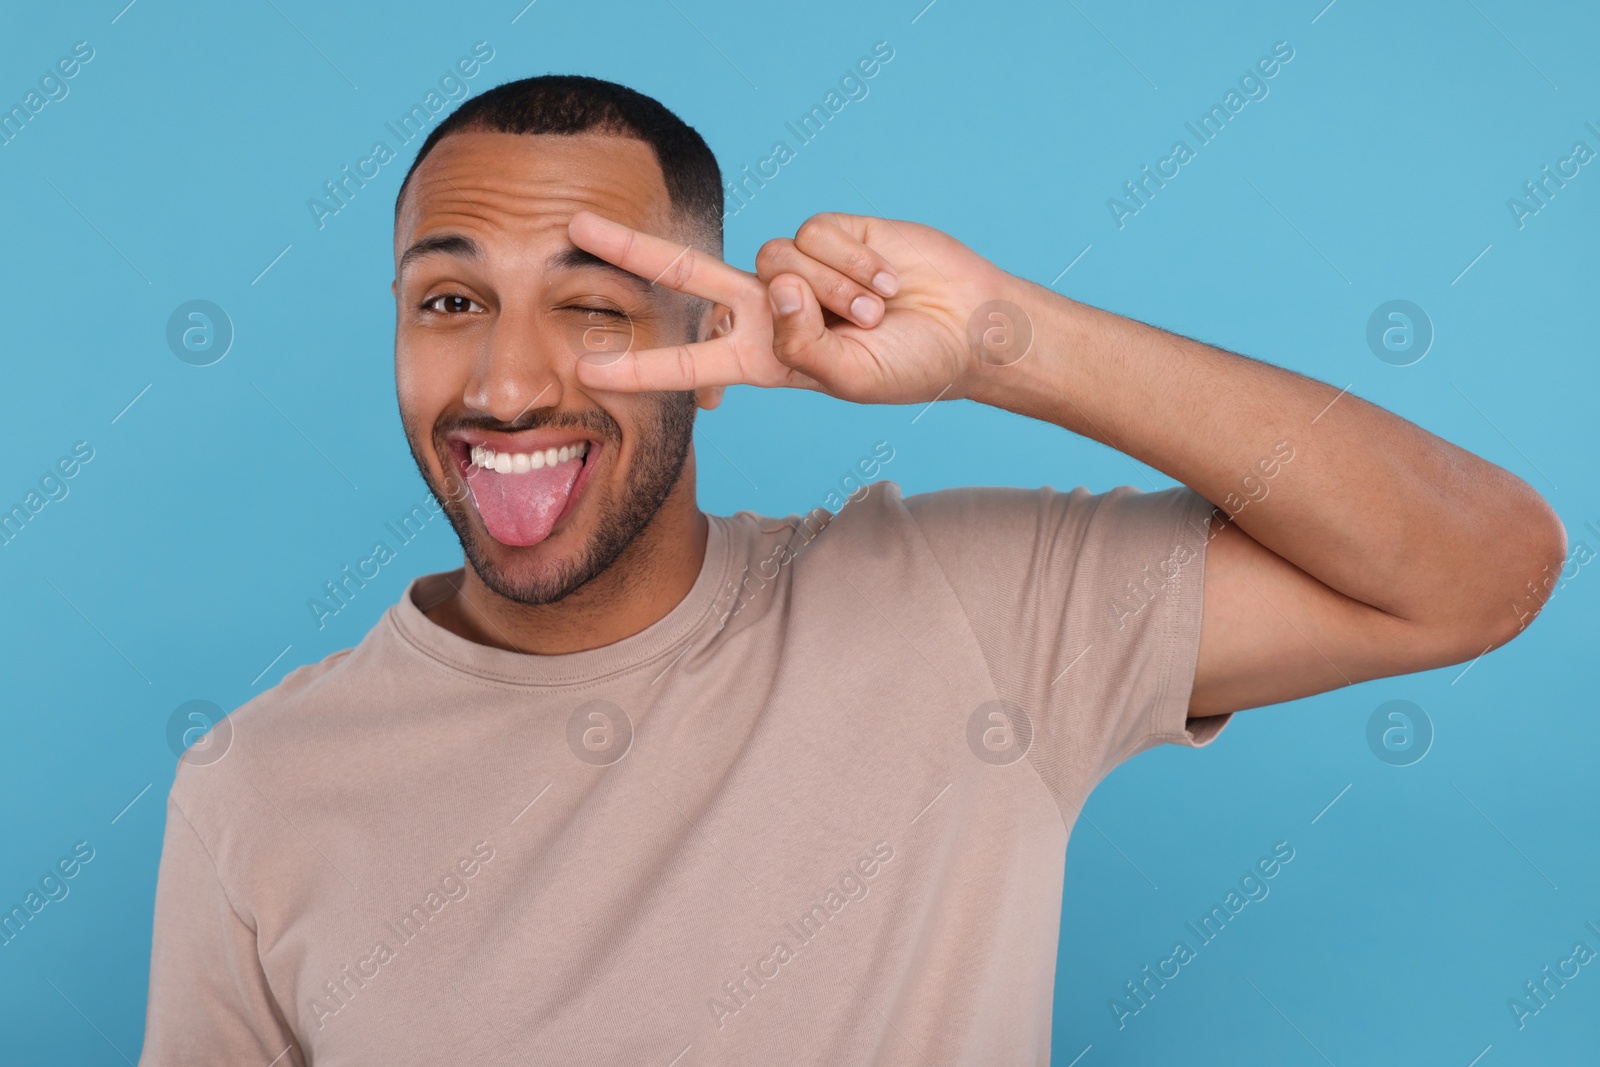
[209,1001]
[1270,632]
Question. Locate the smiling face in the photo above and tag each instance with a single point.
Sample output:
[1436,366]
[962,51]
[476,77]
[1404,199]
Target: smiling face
[545,483]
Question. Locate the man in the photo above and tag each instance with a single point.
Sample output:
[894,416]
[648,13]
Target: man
[642,785]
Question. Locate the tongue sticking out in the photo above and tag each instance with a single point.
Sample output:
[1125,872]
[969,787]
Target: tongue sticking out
[521,509]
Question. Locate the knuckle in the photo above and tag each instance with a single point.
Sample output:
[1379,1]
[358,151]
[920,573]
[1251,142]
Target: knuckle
[842,291]
[772,252]
[861,263]
[813,228]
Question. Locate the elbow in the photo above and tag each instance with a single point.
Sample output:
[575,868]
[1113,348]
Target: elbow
[1495,559]
[1522,569]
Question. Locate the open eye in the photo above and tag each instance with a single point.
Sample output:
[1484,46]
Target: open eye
[453,304]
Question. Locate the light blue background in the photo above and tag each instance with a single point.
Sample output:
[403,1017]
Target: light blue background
[180,564]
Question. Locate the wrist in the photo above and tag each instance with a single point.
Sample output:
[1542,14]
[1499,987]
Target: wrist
[1020,342]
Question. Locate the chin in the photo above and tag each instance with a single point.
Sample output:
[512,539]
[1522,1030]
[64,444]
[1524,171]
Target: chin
[545,573]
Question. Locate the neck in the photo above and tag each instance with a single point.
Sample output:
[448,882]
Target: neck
[650,578]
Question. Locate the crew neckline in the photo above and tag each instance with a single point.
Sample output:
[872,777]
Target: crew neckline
[454,652]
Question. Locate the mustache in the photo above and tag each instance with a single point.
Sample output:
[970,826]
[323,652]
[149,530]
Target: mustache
[597,422]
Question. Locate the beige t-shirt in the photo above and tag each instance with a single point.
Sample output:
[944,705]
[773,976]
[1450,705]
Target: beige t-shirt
[798,820]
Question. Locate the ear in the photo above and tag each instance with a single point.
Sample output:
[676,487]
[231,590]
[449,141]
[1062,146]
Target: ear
[709,396]
[394,287]
[716,322]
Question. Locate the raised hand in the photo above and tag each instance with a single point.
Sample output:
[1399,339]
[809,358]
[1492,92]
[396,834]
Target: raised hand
[866,309]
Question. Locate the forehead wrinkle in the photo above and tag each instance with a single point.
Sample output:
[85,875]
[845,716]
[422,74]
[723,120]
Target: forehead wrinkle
[518,199]
[527,182]
[549,166]
[529,198]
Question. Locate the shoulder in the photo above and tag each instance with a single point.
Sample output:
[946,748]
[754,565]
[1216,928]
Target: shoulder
[965,534]
[885,504]
[272,730]
[968,519]
[956,521]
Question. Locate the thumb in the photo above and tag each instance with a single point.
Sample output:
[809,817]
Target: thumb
[799,338]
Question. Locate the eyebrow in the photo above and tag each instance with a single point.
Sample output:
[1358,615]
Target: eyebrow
[442,244]
[569,258]
[575,258]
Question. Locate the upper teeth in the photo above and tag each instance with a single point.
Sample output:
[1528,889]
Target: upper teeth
[522,462]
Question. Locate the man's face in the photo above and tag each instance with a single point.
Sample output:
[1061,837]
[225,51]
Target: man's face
[544,482]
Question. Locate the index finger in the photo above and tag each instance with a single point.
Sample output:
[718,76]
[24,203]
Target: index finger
[680,267]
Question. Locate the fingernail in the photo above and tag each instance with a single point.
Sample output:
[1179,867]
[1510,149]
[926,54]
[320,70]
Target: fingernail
[865,308]
[886,283]
[786,299]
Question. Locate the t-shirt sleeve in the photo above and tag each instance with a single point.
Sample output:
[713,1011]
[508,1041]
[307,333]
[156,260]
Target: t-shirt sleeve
[209,1000]
[1087,610]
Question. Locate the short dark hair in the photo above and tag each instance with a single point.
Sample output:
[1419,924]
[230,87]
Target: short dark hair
[575,103]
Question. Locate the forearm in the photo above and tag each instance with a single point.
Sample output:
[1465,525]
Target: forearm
[1370,505]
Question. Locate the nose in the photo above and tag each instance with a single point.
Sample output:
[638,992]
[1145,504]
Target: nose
[519,368]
